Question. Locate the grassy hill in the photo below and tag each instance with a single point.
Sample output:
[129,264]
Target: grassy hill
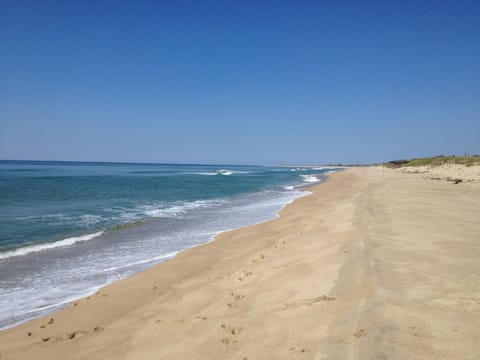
[437,161]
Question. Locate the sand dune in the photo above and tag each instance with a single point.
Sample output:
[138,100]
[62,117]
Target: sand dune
[445,172]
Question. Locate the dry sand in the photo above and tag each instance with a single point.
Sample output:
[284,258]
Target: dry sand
[445,172]
[375,264]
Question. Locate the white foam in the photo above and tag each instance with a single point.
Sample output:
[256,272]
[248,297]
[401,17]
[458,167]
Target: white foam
[225,172]
[310,178]
[160,209]
[45,309]
[299,169]
[124,259]
[89,219]
[41,247]
[289,187]
[178,209]
[324,168]
[231,172]
[162,257]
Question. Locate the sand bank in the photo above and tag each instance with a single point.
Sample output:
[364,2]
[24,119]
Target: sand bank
[445,172]
[375,264]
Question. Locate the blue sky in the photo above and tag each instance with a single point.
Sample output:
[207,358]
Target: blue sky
[258,82]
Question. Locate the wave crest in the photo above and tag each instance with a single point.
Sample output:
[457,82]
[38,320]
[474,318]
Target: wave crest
[41,247]
[310,178]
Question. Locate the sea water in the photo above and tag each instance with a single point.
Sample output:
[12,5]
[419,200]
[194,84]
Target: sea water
[69,228]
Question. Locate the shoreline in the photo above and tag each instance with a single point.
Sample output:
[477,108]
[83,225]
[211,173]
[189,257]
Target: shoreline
[303,189]
[345,272]
[42,322]
[59,303]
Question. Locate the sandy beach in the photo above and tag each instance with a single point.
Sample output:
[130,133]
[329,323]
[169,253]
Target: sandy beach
[375,264]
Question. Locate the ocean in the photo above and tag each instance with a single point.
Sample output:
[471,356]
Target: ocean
[70,228]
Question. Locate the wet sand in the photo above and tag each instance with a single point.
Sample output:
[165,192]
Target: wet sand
[375,264]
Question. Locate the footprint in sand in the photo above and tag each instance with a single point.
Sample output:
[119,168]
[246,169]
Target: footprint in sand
[76,333]
[259,258]
[293,349]
[232,331]
[277,245]
[414,330]
[360,333]
[50,322]
[99,293]
[237,297]
[50,339]
[244,275]
[218,277]
[228,341]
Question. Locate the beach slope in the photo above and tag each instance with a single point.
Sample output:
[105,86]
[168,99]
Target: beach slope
[375,264]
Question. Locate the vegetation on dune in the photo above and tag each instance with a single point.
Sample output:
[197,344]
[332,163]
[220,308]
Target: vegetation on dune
[437,161]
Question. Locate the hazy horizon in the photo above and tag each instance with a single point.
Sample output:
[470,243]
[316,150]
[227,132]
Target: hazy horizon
[218,164]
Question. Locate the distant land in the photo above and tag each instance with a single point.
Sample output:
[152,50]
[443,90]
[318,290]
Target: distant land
[437,161]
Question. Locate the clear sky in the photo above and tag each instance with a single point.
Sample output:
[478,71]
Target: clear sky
[257,82]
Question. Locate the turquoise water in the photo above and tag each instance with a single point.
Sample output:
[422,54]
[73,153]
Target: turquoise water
[67,229]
